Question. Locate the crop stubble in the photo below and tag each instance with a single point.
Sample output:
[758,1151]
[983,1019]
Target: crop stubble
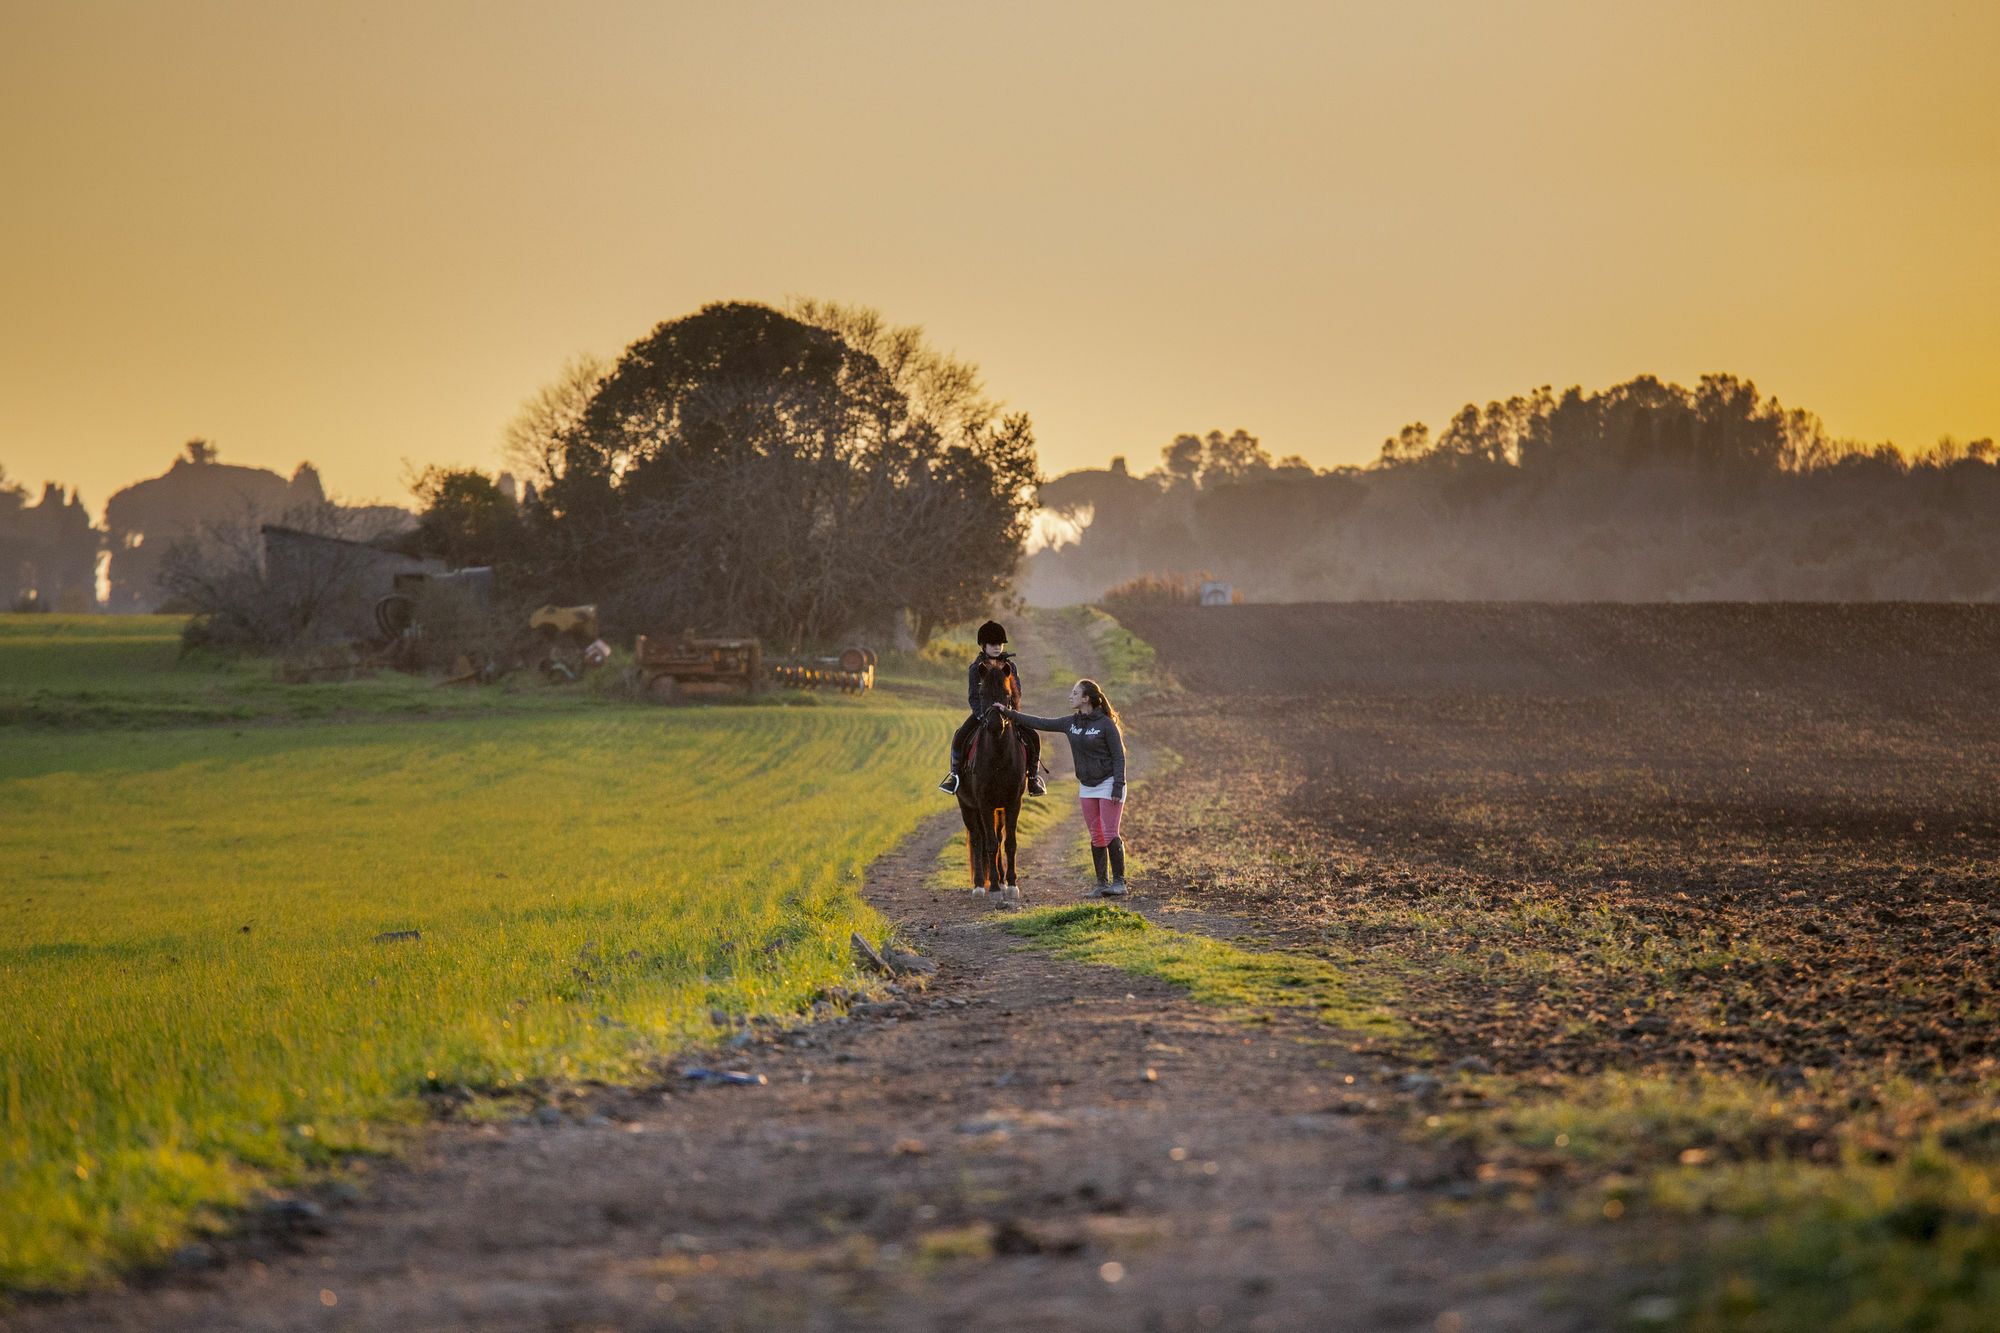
[1710,887]
[1611,842]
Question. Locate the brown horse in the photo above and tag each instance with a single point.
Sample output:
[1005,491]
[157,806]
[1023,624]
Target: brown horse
[990,790]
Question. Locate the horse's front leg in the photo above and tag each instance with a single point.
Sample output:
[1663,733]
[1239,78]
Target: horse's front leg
[991,849]
[1003,851]
[1010,822]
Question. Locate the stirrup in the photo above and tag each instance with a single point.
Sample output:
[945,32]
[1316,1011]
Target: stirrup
[1037,787]
[950,784]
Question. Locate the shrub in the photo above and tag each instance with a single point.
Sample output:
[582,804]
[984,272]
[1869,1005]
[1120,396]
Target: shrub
[1159,590]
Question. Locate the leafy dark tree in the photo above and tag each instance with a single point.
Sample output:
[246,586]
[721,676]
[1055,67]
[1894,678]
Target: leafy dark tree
[1215,458]
[468,520]
[1182,459]
[954,475]
[745,469]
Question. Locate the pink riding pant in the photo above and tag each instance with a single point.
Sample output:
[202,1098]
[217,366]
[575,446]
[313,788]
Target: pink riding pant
[1101,818]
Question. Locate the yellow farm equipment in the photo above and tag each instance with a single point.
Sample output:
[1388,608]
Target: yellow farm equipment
[850,671]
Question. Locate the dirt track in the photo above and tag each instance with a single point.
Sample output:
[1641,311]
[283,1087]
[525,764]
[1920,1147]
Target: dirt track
[997,1159]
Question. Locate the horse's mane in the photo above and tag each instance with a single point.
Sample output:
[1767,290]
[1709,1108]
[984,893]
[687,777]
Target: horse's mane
[1009,685]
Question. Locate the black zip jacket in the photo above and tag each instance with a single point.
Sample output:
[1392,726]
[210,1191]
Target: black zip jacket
[972,678]
[1096,746]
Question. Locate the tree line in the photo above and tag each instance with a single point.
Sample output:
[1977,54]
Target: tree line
[1644,491]
[48,550]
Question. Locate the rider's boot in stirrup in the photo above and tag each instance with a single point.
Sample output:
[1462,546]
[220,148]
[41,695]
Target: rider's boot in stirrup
[1037,787]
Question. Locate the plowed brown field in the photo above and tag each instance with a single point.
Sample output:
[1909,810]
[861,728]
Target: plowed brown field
[1758,838]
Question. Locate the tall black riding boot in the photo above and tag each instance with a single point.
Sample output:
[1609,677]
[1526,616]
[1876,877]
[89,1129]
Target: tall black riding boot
[1117,852]
[1098,856]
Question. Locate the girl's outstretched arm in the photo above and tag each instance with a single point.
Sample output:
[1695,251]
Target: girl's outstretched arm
[1038,723]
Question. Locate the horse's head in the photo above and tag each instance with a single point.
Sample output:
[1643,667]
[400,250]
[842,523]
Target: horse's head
[997,685]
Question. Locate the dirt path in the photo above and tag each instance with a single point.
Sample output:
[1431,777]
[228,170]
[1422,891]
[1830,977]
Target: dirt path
[1034,1145]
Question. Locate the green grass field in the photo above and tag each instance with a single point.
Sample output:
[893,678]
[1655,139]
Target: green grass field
[193,1005]
[69,673]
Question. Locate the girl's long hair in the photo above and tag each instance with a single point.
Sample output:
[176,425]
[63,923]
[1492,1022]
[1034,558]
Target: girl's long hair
[1095,694]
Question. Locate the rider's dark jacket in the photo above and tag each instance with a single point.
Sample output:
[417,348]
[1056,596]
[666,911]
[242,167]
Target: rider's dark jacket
[972,678]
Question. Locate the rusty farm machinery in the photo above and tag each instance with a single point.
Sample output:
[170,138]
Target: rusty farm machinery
[672,670]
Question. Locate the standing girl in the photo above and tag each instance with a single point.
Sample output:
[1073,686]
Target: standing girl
[1098,750]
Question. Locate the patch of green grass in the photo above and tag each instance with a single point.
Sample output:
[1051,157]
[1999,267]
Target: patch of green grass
[951,650]
[936,1248]
[194,1002]
[1129,670]
[1837,1210]
[76,673]
[1243,981]
[934,673]
[1914,1245]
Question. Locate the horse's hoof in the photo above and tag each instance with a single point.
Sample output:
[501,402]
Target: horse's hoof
[1012,897]
[978,891]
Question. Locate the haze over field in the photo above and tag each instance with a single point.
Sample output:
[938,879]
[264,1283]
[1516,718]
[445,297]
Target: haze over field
[1642,492]
[362,235]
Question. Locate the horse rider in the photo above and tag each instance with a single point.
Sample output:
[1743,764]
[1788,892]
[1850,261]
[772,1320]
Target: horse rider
[992,647]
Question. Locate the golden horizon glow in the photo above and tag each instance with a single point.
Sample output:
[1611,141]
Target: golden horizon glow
[361,235]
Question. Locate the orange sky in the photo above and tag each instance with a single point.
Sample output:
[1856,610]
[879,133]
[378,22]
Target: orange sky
[360,234]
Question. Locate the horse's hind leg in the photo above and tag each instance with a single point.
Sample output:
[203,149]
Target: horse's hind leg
[974,845]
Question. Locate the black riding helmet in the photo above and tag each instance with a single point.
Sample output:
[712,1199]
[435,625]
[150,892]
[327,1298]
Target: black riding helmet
[992,632]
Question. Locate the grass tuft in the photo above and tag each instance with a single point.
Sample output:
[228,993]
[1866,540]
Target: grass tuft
[1246,982]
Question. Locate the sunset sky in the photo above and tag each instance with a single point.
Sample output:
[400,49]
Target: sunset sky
[361,234]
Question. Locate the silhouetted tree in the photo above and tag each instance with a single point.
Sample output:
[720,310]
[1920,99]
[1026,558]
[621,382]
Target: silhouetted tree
[1206,460]
[468,520]
[743,468]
